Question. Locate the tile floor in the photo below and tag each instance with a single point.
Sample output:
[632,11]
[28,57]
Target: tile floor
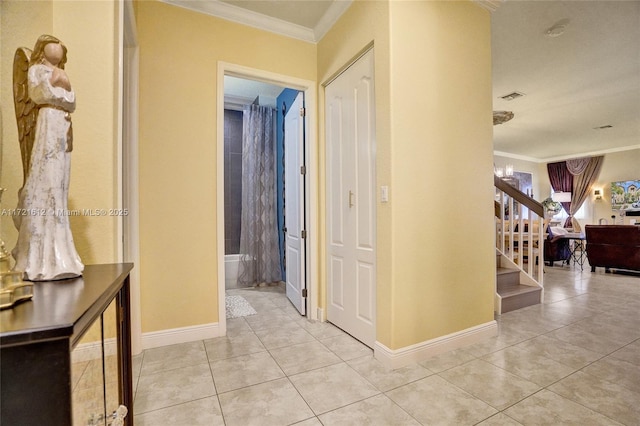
[573,360]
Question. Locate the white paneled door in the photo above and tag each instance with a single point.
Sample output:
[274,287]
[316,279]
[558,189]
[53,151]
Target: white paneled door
[294,204]
[351,200]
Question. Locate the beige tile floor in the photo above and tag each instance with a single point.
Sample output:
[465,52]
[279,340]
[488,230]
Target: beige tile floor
[573,360]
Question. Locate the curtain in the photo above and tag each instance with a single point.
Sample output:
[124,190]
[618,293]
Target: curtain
[582,186]
[561,181]
[577,166]
[259,246]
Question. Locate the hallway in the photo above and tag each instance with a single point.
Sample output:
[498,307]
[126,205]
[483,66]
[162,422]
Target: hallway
[573,360]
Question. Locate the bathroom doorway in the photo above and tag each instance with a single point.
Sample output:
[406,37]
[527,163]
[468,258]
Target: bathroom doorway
[253,182]
[284,96]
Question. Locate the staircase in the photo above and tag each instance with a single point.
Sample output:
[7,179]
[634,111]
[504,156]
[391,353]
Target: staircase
[519,249]
[510,293]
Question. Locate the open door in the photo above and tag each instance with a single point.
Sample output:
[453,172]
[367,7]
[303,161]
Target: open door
[294,217]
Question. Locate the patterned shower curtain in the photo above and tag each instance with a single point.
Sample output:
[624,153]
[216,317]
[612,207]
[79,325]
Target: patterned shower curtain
[259,249]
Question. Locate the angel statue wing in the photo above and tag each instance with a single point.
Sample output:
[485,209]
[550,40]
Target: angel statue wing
[26,111]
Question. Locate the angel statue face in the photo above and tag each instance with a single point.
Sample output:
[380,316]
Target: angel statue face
[53,53]
[49,49]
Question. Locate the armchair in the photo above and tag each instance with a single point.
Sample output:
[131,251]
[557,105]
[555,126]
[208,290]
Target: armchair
[556,247]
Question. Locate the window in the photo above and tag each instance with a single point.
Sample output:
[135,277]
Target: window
[580,214]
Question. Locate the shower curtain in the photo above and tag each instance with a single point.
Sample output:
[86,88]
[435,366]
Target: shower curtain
[259,249]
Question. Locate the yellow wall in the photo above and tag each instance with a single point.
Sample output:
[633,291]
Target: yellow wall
[21,24]
[89,30]
[431,59]
[443,258]
[436,262]
[433,99]
[179,54]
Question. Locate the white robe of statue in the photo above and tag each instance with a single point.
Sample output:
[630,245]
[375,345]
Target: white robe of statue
[45,249]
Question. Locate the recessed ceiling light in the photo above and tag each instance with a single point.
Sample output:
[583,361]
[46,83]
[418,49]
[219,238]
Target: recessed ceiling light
[511,96]
[606,126]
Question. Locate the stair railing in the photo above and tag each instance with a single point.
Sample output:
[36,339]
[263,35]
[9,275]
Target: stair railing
[519,229]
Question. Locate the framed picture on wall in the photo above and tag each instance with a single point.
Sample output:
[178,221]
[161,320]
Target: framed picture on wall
[625,194]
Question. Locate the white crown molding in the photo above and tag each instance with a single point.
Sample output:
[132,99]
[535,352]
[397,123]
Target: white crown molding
[589,154]
[331,16]
[565,157]
[490,5]
[246,17]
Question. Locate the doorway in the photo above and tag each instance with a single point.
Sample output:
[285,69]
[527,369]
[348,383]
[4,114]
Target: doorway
[253,183]
[307,186]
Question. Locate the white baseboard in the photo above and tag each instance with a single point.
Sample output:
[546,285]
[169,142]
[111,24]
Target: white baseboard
[397,358]
[321,316]
[156,339]
[93,350]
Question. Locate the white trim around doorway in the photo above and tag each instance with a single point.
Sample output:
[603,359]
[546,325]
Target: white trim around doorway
[312,190]
[128,234]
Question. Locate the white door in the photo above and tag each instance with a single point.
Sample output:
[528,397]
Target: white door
[294,204]
[350,133]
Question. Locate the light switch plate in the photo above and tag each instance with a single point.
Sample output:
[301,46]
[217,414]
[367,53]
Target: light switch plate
[384,194]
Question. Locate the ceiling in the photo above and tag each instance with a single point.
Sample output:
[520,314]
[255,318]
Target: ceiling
[573,84]
[240,91]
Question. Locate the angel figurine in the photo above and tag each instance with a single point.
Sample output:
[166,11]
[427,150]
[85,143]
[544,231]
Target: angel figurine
[44,102]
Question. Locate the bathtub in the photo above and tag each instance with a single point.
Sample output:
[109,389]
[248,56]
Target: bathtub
[231,265]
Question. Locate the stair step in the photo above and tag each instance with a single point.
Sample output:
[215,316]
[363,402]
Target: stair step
[507,278]
[502,271]
[517,290]
[519,296]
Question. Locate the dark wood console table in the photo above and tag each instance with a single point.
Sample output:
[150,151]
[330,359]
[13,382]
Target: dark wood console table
[37,337]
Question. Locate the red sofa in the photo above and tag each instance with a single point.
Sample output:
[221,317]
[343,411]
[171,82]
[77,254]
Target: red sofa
[613,246]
